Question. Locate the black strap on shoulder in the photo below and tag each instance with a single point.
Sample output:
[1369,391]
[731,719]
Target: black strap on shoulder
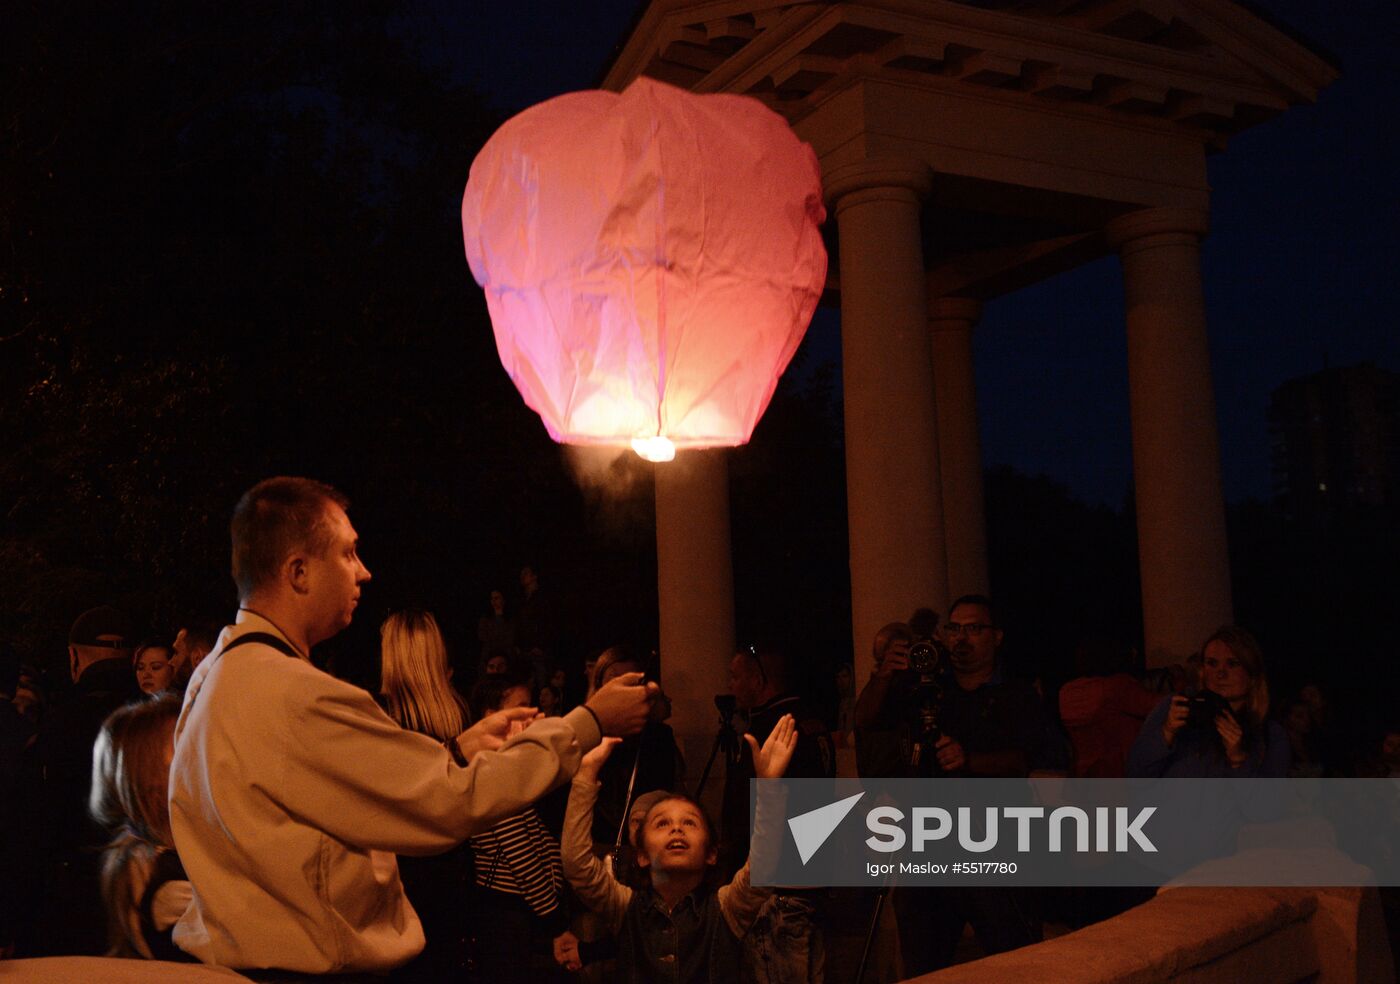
[266,639]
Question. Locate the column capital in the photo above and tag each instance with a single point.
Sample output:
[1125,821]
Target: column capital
[954,313]
[907,178]
[1156,222]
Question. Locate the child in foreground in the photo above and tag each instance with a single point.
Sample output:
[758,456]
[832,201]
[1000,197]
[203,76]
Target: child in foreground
[679,928]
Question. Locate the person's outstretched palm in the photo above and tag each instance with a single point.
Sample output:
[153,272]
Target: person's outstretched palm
[771,761]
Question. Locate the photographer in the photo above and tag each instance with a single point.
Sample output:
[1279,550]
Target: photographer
[887,706]
[971,722]
[1221,730]
[965,719]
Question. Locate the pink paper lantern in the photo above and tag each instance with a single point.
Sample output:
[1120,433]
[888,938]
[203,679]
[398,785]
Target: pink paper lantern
[651,261]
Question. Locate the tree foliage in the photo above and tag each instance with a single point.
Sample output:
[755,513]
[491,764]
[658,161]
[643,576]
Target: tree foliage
[233,251]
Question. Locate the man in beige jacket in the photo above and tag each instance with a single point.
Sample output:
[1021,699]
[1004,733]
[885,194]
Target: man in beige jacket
[291,791]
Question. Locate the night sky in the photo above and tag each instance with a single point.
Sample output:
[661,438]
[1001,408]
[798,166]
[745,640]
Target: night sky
[244,255]
[1299,270]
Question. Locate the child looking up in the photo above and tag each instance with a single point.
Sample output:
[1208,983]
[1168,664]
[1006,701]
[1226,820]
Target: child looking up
[678,928]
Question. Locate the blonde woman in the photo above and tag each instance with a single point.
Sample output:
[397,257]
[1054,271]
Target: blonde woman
[143,883]
[416,691]
[1221,730]
[415,680]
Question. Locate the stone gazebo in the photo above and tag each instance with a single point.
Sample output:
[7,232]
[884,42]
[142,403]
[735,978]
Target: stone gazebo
[969,149]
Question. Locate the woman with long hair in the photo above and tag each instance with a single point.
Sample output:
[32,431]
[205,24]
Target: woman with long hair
[1223,730]
[416,691]
[143,883]
[415,679]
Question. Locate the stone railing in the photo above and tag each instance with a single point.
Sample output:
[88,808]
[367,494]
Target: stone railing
[1210,936]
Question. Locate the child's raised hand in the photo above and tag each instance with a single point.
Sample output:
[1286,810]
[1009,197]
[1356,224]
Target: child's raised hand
[592,763]
[771,761]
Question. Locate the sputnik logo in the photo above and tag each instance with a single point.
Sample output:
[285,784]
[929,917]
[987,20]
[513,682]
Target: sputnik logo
[810,830]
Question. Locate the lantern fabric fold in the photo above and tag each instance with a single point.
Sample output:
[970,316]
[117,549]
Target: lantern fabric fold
[651,260]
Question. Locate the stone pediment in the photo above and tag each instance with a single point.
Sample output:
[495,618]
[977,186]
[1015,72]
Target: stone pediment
[1209,66]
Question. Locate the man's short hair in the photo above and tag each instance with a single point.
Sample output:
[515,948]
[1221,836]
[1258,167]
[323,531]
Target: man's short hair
[772,662]
[201,634]
[975,599]
[274,518]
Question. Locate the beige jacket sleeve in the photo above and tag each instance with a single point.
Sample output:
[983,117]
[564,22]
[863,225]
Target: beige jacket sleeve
[740,900]
[355,774]
[590,879]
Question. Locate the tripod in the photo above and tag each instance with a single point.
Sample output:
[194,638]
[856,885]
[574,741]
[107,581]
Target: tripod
[725,739]
[874,926]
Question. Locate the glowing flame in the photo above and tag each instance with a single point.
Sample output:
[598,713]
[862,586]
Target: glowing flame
[654,448]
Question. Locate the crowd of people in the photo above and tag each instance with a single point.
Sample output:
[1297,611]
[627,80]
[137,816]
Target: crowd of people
[218,798]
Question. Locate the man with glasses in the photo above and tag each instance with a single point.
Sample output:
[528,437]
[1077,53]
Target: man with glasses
[991,727]
[1000,725]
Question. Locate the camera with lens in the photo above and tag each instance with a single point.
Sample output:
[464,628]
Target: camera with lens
[926,663]
[925,658]
[1204,707]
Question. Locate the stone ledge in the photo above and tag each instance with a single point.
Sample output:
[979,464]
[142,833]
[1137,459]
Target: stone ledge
[1208,936]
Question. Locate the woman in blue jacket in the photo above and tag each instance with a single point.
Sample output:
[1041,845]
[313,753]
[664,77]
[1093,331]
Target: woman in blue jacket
[1240,742]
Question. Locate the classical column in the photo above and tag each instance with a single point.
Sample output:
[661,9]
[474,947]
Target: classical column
[1176,451]
[898,558]
[695,589]
[959,445]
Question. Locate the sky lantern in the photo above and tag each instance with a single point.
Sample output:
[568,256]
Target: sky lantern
[651,261]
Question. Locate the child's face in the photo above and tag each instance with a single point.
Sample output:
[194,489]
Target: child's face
[673,838]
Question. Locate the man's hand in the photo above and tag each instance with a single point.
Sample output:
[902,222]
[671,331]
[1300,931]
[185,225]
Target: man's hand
[1176,718]
[592,763]
[623,704]
[771,761]
[566,952]
[895,658]
[491,732]
[951,756]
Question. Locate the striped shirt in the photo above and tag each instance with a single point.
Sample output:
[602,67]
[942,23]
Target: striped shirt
[520,857]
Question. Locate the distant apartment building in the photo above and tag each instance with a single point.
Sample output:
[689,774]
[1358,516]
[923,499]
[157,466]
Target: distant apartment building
[1335,437]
